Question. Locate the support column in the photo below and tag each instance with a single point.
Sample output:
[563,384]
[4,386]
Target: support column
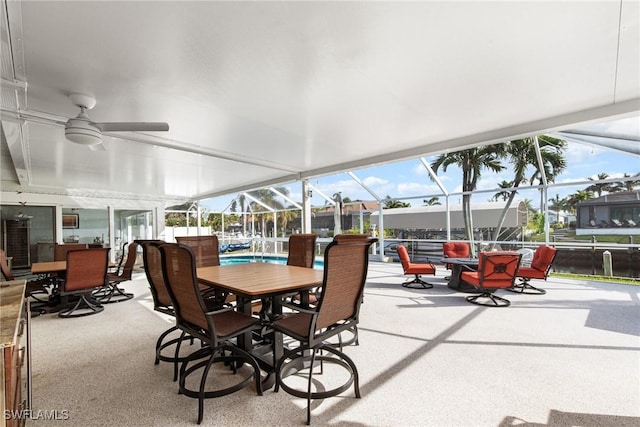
[306,207]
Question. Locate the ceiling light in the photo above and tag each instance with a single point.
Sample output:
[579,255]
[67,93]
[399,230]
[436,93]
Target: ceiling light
[82,131]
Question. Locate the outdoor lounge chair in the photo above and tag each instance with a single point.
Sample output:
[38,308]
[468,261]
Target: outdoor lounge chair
[337,310]
[496,270]
[455,250]
[416,269]
[539,269]
[215,328]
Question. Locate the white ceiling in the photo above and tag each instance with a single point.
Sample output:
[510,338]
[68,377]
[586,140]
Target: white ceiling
[267,92]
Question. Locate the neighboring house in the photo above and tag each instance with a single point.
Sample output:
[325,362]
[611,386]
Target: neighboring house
[431,221]
[615,213]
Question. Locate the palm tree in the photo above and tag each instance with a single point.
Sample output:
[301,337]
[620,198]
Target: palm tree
[599,187]
[522,155]
[628,185]
[390,203]
[504,195]
[267,197]
[471,162]
[432,201]
[577,197]
[557,204]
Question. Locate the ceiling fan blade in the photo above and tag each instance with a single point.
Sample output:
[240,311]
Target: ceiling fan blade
[133,126]
[97,147]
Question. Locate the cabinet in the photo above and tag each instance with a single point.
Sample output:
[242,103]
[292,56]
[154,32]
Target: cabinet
[15,361]
[16,242]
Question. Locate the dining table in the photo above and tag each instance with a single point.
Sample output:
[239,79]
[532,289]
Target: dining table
[266,282]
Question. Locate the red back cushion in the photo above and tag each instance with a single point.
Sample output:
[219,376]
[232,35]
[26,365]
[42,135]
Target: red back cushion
[543,257]
[456,249]
[404,256]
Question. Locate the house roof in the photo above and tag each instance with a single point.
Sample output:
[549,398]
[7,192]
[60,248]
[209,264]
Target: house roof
[620,197]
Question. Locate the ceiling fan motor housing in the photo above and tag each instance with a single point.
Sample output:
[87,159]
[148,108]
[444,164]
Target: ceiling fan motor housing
[82,131]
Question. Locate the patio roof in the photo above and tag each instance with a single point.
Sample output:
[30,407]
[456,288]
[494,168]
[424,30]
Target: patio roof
[261,93]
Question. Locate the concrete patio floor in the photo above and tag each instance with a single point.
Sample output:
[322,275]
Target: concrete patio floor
[426,357]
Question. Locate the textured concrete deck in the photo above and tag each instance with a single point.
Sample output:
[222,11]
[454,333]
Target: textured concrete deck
[426,358]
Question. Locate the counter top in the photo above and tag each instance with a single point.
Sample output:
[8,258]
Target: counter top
[11,299]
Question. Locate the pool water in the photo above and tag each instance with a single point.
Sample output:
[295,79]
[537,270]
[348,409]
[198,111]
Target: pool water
[243,259]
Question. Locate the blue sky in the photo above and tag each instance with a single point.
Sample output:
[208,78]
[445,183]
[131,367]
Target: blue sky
[410,179]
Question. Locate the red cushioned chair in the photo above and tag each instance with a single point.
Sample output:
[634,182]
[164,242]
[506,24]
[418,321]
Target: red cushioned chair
[539,269]
[415,269]
[455,250]
[496,270]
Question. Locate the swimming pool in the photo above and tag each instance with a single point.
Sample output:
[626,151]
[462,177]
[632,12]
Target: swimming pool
[273,259]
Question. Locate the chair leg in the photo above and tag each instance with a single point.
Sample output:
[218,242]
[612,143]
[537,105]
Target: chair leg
[293,359]
[419,281]
[524,287]
[112,294]
[496,301]
[82,304]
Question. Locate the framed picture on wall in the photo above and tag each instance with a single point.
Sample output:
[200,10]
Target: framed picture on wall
[70,221]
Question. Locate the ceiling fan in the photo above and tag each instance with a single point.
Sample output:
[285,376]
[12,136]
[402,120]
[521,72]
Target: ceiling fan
[82,130]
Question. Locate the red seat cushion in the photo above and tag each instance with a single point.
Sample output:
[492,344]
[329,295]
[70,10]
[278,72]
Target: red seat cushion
[420,269]
[531,273]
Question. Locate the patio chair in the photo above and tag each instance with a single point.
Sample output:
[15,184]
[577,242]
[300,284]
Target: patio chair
[152,260]
[112,292]
[215,328]
[455,250]
[416,269]
[539,269]
[616,222]
[86,272]
[631,223]
[337,310]
[60,251]
[302,253]
[496,270]
[207,253]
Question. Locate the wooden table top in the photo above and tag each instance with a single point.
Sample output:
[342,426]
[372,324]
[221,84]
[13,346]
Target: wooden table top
[260,278]
[53,267]
[48,267]
[11,299]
